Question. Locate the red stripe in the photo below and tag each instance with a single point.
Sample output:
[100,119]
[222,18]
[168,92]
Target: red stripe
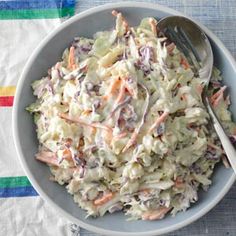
[6,101]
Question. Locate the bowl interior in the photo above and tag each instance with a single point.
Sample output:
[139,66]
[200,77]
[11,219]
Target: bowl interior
[25,133]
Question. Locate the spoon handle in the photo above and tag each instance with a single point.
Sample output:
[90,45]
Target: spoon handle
[225,141]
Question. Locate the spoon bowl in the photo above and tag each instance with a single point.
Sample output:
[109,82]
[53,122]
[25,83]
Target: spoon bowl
[191,40]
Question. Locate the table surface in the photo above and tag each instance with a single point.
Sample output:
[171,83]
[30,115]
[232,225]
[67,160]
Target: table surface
[220,17]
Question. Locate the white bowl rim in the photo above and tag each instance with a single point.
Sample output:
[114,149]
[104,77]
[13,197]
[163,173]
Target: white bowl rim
[90,11]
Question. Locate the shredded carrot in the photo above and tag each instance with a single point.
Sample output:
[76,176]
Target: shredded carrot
[102,126]
[170,48]
[121,94]
[82,122]
[153,24]
[67,154]
[131,142]
[80,143]
[159,120]
[217,101]
[225,162]
[122,84]
[192,126]
[84,69]
[184,97]
[47,157]
[213,146]
[145,191]
[107,135]
[217,94]
[155,214]
[75,120]
[114,13]
[71,58]
[86,112]
[179,183]
[105,198]
[184,63]
[199,89]
[128,87]
[125,23]
[93,130]
[217,97]
[145,216]
[114,86]
[159,214]
[119,136]
[68,142]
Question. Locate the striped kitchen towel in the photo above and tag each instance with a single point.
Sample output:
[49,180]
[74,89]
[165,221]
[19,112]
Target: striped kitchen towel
[23,24]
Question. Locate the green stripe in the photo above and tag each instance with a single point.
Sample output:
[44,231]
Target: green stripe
[12,182]
[36,13]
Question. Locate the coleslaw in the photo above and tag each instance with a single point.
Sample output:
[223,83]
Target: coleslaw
[121,123]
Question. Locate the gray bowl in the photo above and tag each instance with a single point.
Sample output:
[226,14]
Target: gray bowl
[50,50]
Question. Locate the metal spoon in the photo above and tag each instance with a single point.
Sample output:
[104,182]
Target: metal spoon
[192,41]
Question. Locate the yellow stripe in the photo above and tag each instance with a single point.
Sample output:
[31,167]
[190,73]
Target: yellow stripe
[7,91]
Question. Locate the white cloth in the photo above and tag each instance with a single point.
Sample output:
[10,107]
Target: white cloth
[23,216]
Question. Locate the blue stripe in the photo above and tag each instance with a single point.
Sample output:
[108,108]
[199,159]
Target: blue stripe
[18,192]
[38,4]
